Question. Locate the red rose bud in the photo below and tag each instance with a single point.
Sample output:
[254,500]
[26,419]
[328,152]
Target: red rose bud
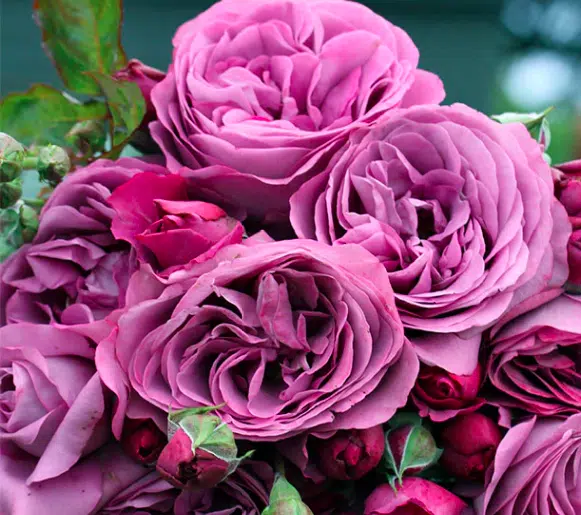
[201,451]
[285,500]
[470,442]
[410,449]
[440,395]
[351,454]
[142,440]
[146,78]
[568,191]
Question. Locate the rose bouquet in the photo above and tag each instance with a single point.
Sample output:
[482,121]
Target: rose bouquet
[309,289]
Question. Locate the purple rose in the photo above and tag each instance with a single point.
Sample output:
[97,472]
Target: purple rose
[257,85]
[535,360]
[168,230]
[107,482]
[460,210]
[415,496]
[245,492]
[536,470]
[52,403]
[441,395]
[568,190]
[74,271]
[287,337]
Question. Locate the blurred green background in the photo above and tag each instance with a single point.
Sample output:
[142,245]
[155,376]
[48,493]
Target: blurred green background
[495,55]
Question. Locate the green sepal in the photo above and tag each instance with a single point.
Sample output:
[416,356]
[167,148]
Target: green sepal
[285,499]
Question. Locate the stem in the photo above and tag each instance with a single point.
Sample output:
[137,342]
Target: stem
[30,163]
[279,464]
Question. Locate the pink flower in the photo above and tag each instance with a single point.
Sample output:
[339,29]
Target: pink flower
[460,210]
[52,403]
[168,230]
[535,360]
[289,337]
[106,482]
[568,190]
[415,496]
[257,85]
[142,440]
[536,470]
[350,455]
[469,443]
[442,395]
[74,272]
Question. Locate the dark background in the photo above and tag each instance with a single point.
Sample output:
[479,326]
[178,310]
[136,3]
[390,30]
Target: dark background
[495,55]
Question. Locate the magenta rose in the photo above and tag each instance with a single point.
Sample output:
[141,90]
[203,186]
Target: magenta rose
[74,271]
[287,337]
[536,470]
[415,496]
[245,492]
[106,482]
[52,402]
[469,443]
[168,230]
[441,395]
[568,189]
[142,440]
[258,85]
[535,360]
[459,209]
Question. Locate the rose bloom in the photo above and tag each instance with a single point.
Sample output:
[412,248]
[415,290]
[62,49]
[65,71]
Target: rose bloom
[536,470]
[107,482]
[460,210]
[169,231]
[441,395]
[415,496]
[257,85]
[52,402]
[535,360]
[74,271]
[288,337]
[568,189]
[245,492]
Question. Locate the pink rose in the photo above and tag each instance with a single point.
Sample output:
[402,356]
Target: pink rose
[106,482]
[245,492]
[75,271]
[52,403]
[258,85]
[442,395]
[536,470]
[415,496]
[460,210]
[289,337]
[350,454]
[469,443]
[535,360]
[568,190]
[168,230]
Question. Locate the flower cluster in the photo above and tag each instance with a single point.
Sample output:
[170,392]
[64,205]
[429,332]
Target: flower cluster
[327,294]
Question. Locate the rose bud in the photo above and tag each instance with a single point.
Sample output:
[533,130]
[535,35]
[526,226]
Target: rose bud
[470,442]
[201,451]
[568,191]
[351,454]
[415,496]
[53,164]
[12,156]
[10,192]
[285,500]
[410,449]
[441,395]
[142,440]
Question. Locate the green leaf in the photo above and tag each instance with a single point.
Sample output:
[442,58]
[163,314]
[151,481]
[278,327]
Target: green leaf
[126,107]
[44,115]
[81,36]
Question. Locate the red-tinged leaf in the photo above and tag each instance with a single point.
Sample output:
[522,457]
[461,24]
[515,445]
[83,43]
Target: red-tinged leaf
[126,109]
[82,36]
[44,115]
